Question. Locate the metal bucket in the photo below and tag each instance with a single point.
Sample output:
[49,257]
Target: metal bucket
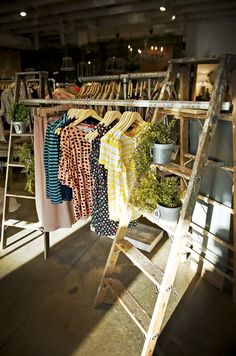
[161,153]
[168,216]
[20,127]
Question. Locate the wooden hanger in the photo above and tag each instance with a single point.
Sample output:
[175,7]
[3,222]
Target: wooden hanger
[109,117]
[127,119]
[85,114]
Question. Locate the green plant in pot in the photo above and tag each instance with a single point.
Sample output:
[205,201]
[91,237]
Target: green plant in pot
[163,145]
[169,202]
[158,134]
[19,113]
[26,156]
[158,196]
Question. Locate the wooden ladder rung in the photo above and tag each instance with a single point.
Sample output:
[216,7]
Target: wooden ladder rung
[141,261]
[29,134]
[21,196]
[22,224]
[175,169]
[129,303]
[20,165]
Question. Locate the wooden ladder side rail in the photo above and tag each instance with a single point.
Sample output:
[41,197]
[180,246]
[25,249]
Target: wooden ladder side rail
[113,256]
[43,80]
[171,75]
[180,234]
[233,85]
[5,199]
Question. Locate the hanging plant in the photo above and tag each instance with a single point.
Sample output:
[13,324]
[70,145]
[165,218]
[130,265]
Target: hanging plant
[26,156]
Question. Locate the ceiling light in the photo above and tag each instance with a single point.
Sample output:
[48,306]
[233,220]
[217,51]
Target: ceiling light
[173,17]
[152,48]
[162,8]
[129,46]
[23,13]
[131,49]
[139,51]
[89,62]
[161,49]
[155,48]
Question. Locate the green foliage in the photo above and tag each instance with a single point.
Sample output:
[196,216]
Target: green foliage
[168,192]
[26,156]
[145,193]
[150,191]
[19,112]
[158,133]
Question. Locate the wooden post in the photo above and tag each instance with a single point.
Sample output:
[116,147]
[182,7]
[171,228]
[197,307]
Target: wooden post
[234,205]
[183,145]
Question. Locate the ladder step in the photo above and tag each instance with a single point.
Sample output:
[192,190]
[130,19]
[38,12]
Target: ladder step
[20,196]
[130,304]
[23,224]
[175,169]
[29,134]
[141,261]
[21,165]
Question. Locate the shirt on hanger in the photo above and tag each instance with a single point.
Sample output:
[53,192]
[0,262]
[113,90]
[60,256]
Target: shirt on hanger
[74,169]
[115,154]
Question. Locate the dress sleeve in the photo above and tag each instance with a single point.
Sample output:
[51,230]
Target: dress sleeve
[110,153]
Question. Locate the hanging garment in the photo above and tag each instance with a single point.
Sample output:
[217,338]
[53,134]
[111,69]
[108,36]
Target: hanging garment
[74,169]
[54,189]
[100,220]
[51,217]
[116,152]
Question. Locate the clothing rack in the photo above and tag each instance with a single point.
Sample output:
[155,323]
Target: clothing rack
[174,107]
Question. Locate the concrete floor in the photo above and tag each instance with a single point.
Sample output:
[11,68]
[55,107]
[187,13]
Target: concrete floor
[47,306]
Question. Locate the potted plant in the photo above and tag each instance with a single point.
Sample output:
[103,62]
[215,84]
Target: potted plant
[158,196]
[162,148]
[156,136]
[19,113]
[168,199]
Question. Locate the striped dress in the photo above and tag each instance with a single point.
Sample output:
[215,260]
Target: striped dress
[116,152]
[51,161]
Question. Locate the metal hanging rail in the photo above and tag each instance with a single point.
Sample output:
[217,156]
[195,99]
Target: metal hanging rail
[198,105]
[101,78]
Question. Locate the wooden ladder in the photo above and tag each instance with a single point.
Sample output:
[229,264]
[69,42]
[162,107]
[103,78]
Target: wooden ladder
[21,79]
[164,281]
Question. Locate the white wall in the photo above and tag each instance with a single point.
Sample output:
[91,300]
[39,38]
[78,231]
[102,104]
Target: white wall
[212,37]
